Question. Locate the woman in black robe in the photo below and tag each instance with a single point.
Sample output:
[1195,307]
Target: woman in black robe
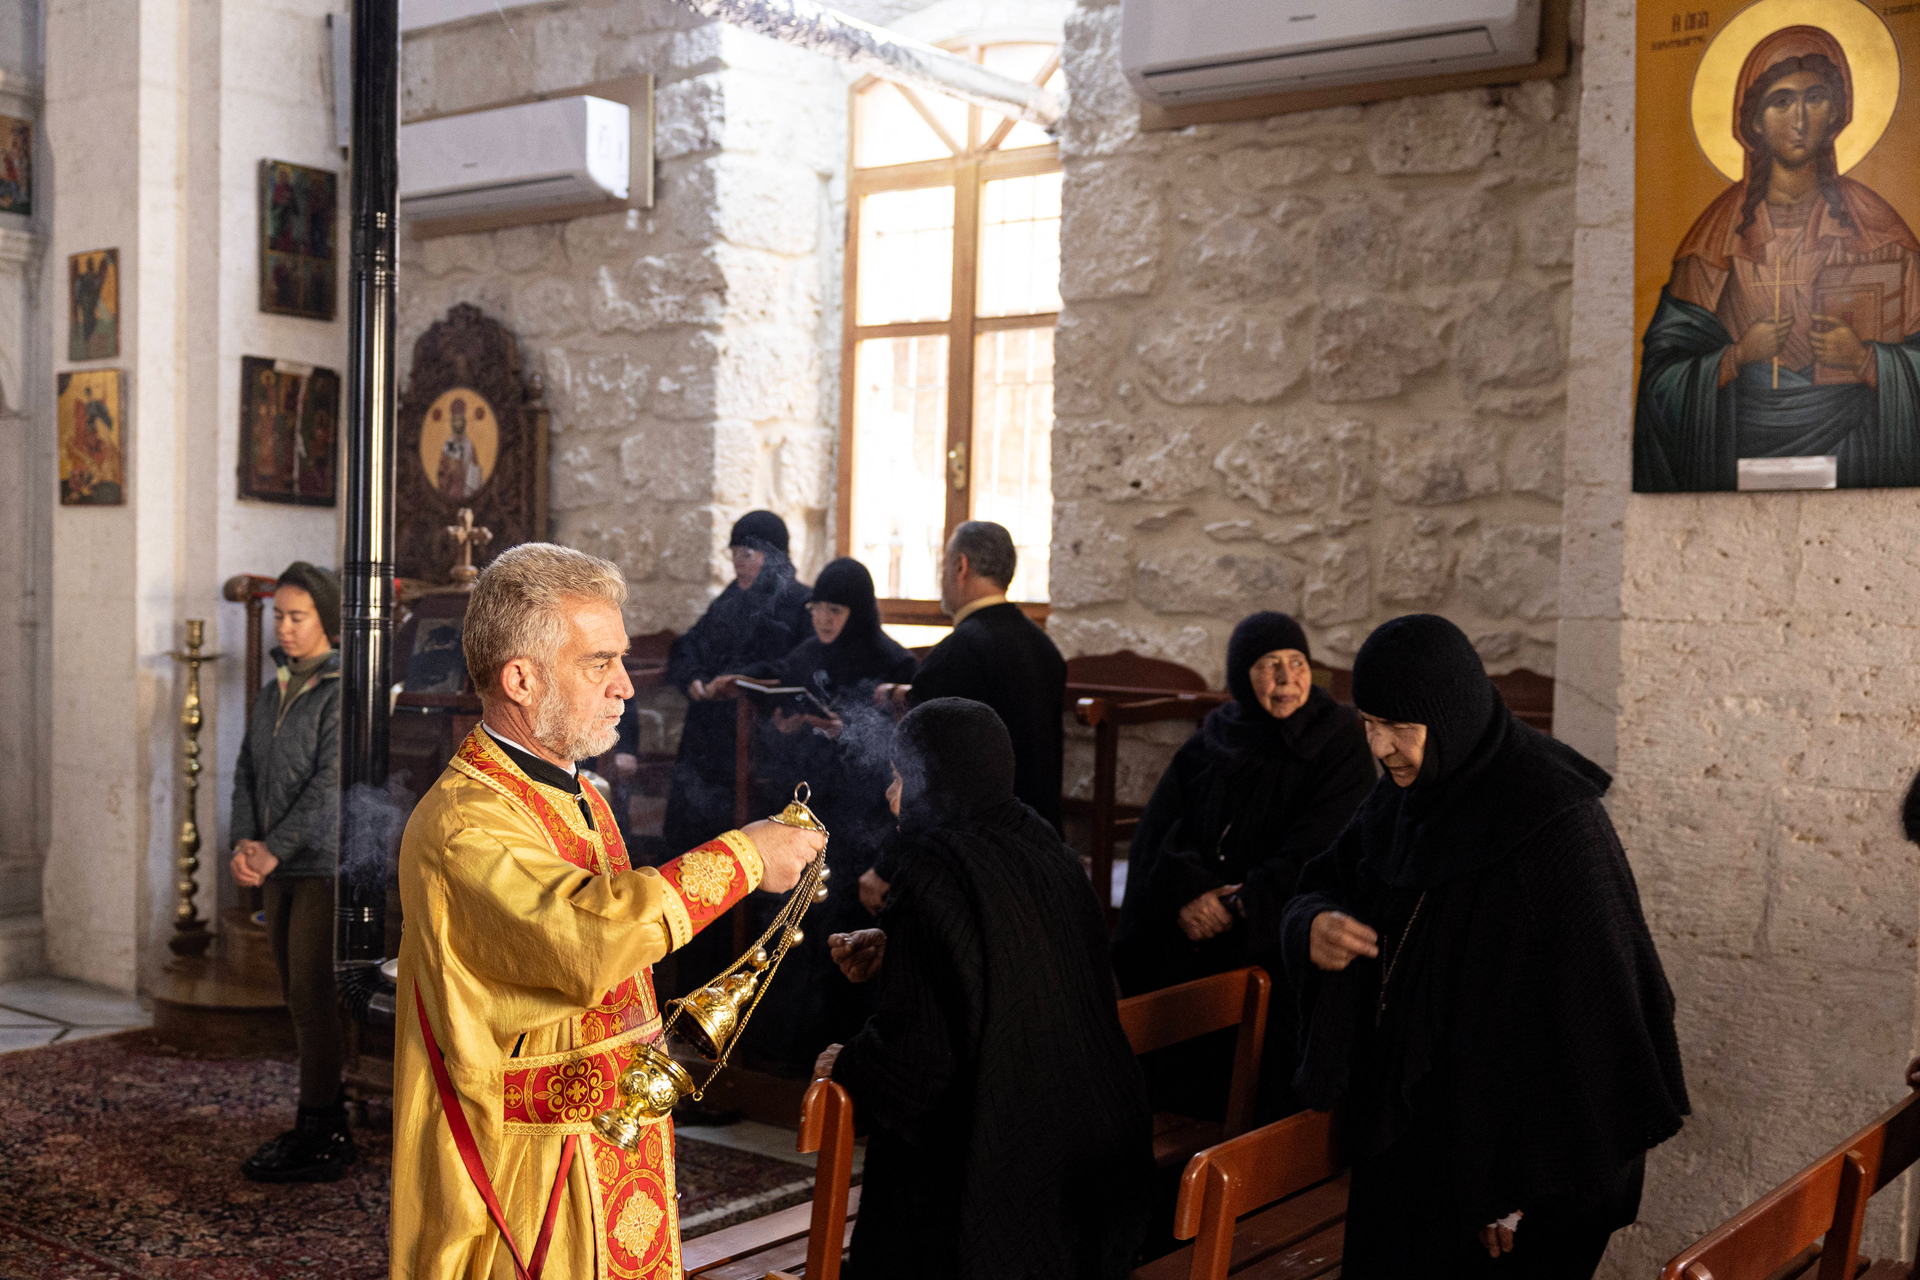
[843,759]
[1009,1135]
[1265,784]
[1478,987]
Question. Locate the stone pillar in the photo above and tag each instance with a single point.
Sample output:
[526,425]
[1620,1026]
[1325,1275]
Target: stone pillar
[158,113]
[1746,664]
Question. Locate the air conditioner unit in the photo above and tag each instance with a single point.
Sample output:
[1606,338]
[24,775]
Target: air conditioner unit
[562,151]
[1183,51]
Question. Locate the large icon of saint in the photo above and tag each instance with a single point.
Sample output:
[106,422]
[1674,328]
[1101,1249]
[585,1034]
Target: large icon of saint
[1787,339]
[460,474]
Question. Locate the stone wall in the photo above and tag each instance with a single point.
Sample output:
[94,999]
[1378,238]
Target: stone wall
[691,351]
[1747,664]
[1312,363]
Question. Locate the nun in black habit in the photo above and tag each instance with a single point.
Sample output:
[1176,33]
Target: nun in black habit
[1009,1134]
[760,617]
[1478,987]
[843,759]
[1265,783]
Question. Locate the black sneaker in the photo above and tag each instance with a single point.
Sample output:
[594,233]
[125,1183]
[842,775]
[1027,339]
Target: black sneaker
[317,1149]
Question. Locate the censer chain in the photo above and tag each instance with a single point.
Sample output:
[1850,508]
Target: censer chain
[782,926]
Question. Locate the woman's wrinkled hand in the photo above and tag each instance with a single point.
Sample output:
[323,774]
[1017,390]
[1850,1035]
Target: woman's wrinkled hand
[1337,939]
[1207,916]
[858,953]
[873,891]
[823,1065]
[1497,1237]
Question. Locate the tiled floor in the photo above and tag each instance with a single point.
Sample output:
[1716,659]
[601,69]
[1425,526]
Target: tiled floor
[41,1011]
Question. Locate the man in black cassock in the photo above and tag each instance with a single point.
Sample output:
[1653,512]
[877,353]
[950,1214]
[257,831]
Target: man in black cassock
[995,655]
[1263,785]
[1009,1134]
[1478,989]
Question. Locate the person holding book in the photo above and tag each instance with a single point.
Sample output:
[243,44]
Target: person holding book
[819,726]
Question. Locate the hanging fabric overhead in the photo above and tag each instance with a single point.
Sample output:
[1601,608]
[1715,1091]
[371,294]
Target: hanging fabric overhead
[880,52]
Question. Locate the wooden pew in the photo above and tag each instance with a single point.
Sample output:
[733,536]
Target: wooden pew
[815,1234]
[1173,1014]
[1267,1205]
[1808,1228]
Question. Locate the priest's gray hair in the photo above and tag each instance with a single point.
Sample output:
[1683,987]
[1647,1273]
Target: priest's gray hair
[988,548]
[516,609]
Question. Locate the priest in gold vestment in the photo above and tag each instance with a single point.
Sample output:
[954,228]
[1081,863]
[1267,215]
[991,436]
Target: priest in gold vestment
[525,981]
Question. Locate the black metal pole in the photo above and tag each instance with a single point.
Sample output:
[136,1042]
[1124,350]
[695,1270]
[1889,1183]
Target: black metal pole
[367,588]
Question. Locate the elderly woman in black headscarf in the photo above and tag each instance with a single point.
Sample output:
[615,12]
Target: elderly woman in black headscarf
[1008,1123]
[1266,783]
[838,744]
[1479,989]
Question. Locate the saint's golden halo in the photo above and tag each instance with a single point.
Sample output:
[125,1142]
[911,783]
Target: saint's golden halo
[1872,58]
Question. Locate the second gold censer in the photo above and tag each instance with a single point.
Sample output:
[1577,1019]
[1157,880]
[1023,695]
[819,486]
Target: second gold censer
[711,1019]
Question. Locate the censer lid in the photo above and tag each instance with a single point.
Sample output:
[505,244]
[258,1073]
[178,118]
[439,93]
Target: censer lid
[797,814]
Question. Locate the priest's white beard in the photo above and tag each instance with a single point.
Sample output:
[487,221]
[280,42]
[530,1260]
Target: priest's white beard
[573,737]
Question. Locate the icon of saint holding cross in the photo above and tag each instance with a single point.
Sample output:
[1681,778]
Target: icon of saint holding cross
[1787,339]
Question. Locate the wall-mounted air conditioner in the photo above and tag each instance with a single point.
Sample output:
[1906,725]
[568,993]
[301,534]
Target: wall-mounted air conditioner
[1183,51]
[562,151]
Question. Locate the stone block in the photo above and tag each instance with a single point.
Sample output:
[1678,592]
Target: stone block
[1190,646]
[1242,257]
[669,461]
[1090,559]
[607,392]
[1699,557]
[1110,230]
[1356,249]
[630,546]
[1087,342]
[1103,112]
[547,307]
[1367,349]
[1339,585]
[1467,238]
[1254,169]
[579,475]
[690,117]
[1134,461]
[445,255]
[1426,464]
[1414,569]
[1549,223]
[1231,531]
[1438,133]
[1533,461]
[1514,571]
[1217,355]
[766,372]
[694,551]
[1225,585]
[684,376]
[1301,468]
[528,248]
[1512,339]
[804,469]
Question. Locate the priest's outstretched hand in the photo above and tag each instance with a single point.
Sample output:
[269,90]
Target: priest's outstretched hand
[785,850]
[858,953]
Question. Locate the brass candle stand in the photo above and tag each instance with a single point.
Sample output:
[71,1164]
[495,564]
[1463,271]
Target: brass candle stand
[717,1013]
[190,936]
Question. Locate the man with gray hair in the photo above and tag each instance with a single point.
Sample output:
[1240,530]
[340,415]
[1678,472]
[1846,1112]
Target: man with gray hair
[995,654]
[525,967]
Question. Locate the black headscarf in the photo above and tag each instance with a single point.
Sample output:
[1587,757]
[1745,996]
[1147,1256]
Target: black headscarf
[760,531]
[1243,727]
[955,759]
[1487,781]
[1010,1129]
[862,650]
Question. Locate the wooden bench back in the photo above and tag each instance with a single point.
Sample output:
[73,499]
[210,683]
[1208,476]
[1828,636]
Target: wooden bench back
[1827,1198]
[826,1126]
[1129,670]
[1192,1009]
[1223,1184]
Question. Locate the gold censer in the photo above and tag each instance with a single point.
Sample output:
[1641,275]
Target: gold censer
[717,1013]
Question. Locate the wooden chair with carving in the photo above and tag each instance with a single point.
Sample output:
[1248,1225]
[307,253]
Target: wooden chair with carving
[1190,1010]
[1265,1205]
[1808,1228]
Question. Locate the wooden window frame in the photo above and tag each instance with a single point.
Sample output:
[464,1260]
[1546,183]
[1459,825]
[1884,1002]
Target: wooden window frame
[973,165]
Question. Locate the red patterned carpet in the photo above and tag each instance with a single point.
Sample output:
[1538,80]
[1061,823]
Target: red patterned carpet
[120,1161]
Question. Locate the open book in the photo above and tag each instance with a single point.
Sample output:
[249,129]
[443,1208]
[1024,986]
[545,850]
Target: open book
[792,699]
